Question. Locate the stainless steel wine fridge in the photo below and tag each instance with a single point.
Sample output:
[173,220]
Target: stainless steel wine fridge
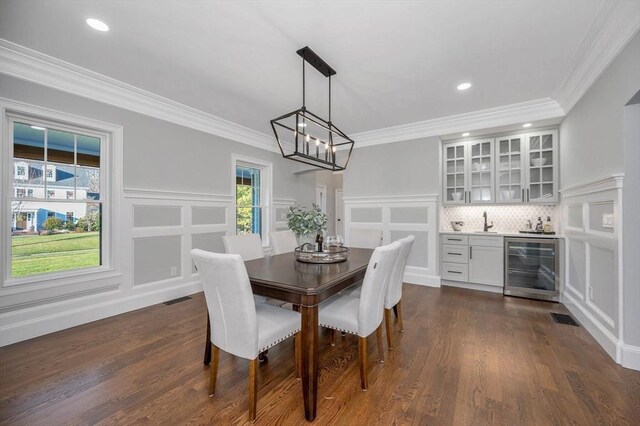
[532,268]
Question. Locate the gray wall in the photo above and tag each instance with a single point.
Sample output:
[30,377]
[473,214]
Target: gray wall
[401,168]
[157,234]
[591,144]
[164,156]
[599,137]
[631,241]
[332,182]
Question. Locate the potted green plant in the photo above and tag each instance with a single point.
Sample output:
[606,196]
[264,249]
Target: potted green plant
[307,224]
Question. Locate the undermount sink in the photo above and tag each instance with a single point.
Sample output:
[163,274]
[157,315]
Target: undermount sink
[486,232]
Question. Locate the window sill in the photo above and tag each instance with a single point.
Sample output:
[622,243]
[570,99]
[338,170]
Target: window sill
[60,279]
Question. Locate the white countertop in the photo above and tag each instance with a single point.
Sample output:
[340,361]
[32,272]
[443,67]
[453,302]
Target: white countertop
[502,234]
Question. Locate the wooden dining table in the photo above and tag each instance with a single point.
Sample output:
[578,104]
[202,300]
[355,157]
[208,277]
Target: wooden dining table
[305,285]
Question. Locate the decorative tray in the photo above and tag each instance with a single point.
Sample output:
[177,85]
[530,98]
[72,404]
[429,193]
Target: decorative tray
[330,255]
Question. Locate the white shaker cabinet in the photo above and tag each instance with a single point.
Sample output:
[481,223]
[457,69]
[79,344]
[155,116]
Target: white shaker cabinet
[486,260]
[473,259]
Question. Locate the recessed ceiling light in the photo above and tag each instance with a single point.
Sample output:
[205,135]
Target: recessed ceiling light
[97,24]
[526,125]
[465,134]
[464,86]
[37,127]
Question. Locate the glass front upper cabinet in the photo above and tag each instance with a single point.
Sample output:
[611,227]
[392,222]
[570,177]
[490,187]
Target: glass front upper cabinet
[510,175]
[509,169]
[455,182]
[468,172]
[481,171]
[542,167]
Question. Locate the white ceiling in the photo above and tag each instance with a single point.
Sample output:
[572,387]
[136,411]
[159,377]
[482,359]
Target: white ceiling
[398,62]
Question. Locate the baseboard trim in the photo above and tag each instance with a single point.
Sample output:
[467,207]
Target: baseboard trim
[17,332]
[420,276]
[604,337]
[473,286]
[631,357]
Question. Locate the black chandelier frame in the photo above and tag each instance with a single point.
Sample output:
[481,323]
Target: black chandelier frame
[303,151]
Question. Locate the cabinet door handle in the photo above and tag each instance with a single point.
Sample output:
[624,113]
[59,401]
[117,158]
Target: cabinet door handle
[471,252]
[455,254]
[454,272]
[528,195]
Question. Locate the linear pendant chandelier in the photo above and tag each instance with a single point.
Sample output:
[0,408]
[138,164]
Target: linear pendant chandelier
[305,137]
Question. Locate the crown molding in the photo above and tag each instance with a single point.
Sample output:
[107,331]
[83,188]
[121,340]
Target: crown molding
[541,109]
[28,64]
[616,24]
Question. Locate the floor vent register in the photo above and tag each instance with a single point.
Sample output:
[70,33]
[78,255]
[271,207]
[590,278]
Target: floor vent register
[564,319]
[178,300]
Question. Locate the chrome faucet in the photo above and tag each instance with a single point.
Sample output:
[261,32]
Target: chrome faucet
[486,226]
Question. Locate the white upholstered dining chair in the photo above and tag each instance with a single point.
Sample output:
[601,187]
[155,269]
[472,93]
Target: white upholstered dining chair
[363,315]
[283,241]
[365,238]
[238,325]
[249,247]
[393,299]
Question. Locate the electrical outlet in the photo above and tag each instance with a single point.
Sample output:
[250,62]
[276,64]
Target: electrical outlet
[173,271]
[607,220]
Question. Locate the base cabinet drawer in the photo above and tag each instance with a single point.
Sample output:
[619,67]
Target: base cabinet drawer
[454,239]
[455,254]
[455,271]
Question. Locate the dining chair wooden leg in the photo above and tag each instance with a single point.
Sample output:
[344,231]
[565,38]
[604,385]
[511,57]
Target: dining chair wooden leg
[298,354]
[333,336]
[214,368]
[362,352]
[380,344]
[253,388]
[399,307]
[387,324]
[207,344]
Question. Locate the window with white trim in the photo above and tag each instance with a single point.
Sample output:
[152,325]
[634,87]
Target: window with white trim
[50,233]
[252,189]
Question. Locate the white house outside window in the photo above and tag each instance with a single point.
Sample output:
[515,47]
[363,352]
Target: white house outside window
[58,228]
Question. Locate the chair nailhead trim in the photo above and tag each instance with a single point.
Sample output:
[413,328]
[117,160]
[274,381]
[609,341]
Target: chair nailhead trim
[279,340]
[339,329]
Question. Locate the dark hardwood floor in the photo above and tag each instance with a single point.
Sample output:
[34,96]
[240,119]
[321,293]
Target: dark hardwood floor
[465,357]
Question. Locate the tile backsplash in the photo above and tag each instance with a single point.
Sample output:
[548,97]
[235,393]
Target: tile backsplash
[506,218]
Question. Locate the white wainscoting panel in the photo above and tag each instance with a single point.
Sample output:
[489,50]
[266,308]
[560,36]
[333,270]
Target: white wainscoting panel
[593,277]
[159,228]
[397,217]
